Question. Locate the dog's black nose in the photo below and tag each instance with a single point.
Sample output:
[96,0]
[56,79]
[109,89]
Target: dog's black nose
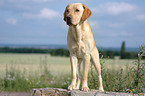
[68,18]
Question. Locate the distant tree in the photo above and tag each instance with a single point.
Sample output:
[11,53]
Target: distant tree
[107,54]
[123,52]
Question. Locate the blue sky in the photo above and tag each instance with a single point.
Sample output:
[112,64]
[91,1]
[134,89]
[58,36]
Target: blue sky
[41,21]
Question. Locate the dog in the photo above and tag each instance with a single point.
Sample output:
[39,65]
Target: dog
[81,45]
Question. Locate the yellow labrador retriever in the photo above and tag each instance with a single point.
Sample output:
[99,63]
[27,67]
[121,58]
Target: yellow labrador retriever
[81,45]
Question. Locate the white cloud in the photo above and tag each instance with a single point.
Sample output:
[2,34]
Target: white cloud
[113,34]
[29,0]
[115,25]
[126,34]
[12,21]
[1,3]
[141,17]
[93,24]
[118,8]
[115,8]
[44,14]
[78,0]
[47,13]
[41,0]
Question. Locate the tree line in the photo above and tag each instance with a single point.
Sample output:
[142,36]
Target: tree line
[53,52]
[127,55]
[64,52]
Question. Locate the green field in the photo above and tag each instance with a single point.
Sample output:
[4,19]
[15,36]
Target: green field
[56,65]
[33,62]
[22,72]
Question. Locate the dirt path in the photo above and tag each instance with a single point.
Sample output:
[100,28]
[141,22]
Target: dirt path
[14,94]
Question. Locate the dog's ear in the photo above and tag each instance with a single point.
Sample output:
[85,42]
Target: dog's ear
[87,13]
[64,15]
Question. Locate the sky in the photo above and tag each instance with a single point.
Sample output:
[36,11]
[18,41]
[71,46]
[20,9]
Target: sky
[41,22]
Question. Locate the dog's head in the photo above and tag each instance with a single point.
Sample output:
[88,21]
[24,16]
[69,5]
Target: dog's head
[75,13]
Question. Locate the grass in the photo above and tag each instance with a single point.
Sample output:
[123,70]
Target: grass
[33,62]
[56,65]
[22,72]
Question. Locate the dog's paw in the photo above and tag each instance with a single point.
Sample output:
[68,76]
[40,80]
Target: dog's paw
[77,87]
[101,89]
[86,88]
[72,86]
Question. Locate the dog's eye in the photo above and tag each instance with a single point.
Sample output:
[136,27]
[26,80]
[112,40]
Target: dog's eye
[67,10]
[77,10]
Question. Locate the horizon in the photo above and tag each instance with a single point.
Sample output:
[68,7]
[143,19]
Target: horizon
[54,45]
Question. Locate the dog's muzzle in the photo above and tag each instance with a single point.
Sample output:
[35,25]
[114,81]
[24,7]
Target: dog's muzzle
[68,19]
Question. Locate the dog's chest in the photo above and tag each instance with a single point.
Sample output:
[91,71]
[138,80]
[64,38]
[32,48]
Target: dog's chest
[79,49]
[78,43]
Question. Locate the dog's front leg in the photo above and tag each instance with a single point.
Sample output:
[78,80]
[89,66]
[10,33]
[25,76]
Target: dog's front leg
[74,62]
[79,73]
[86,62]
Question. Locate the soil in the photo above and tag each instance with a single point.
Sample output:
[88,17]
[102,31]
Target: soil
[14,94]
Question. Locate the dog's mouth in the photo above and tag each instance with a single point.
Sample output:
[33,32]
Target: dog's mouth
[69,23]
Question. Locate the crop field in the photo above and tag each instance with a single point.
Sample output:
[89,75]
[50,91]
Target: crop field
[43,70]
[56,65]
[34,62]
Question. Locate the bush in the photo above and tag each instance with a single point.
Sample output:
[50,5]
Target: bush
[107,54]
[128,80]
[59,52]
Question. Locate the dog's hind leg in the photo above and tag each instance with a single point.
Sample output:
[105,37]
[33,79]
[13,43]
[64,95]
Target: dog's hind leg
[96,63]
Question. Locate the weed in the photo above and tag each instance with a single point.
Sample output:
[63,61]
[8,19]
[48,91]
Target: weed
[128,79]
[17,80]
